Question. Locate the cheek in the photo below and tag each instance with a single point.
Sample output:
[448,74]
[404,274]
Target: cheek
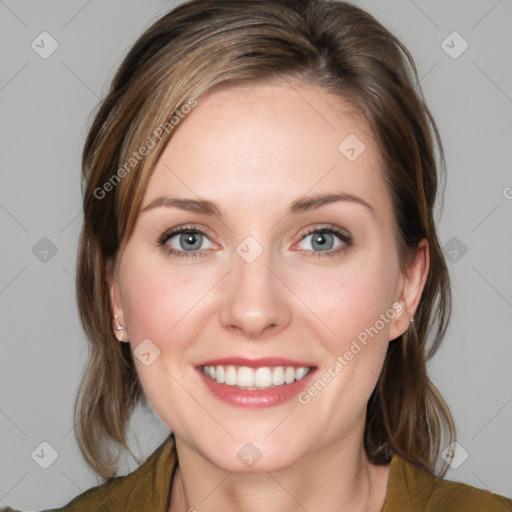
[160,306]
[351,301]
[354,302]
[156,300]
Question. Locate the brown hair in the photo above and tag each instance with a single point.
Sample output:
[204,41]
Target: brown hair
[208,44]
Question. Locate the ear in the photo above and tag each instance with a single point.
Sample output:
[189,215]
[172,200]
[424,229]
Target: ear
[410,288]
[116,303]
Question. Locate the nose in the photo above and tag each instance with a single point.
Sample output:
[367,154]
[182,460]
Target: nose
[255,302]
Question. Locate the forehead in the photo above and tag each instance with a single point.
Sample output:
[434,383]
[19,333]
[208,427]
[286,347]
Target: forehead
[247,146]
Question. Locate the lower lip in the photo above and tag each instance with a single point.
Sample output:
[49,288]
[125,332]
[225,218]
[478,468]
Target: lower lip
[256,397]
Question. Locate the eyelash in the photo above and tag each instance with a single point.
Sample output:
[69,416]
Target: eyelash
[166,236]
[343,235]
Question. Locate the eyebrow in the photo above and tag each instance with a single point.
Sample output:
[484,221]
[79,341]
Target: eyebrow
[303,204]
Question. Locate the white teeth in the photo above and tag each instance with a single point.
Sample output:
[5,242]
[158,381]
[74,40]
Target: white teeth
[245,377]
[219,374]
[263,377]
[255,378]
[301,372]
[278,376]
[289,375]
[230,376]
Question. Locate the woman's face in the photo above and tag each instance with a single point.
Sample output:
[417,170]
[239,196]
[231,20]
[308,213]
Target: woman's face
[287,265]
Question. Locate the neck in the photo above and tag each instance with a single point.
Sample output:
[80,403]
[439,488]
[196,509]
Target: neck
[335,479]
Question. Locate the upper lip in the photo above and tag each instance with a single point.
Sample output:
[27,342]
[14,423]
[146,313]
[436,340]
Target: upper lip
[256,363]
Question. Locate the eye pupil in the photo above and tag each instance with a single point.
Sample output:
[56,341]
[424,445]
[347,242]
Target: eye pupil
[190,240]
[322,241]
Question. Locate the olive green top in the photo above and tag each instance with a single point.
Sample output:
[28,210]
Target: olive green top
[409,490]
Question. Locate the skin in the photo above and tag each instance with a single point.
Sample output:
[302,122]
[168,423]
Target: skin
[253,150]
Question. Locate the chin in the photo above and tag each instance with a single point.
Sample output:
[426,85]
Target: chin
[250,454]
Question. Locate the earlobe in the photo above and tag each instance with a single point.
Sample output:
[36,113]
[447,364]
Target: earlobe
[410,290]
[119,330]
[116,305]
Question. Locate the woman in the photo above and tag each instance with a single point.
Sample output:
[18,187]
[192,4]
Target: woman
[259,261]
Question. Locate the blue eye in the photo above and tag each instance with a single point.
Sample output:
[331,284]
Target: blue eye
[188,241]
[183,240]
[328,240]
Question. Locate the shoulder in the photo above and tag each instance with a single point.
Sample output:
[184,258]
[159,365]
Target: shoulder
[146,488]
[413,489]
[456,496]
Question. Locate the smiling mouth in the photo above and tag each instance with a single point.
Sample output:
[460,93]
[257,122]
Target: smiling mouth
[264,377]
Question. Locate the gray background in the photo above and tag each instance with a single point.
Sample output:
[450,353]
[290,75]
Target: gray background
[46,105]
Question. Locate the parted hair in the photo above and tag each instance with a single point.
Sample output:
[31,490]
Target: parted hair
[204,45]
